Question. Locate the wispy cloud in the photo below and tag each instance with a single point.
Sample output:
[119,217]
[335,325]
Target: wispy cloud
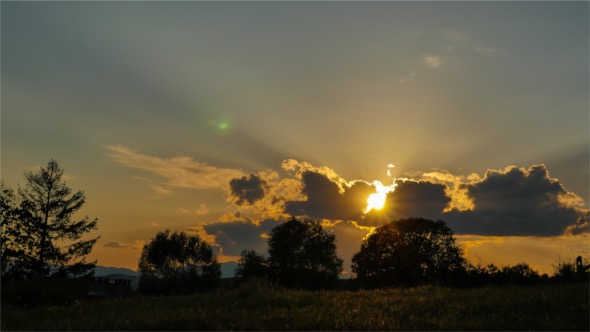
[182,172]
[120,245]
[433,61]
[485,50]
[408,78]
[202,210]
[162,191]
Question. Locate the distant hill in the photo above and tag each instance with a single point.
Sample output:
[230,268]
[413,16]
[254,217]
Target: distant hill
[227,271]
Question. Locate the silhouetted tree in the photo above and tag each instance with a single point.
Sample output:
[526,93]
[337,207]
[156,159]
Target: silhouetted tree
[15,263]
[303,255]
[38,234]
[252,266]
[177,263]
[520,273]
[407,252]
[478,275]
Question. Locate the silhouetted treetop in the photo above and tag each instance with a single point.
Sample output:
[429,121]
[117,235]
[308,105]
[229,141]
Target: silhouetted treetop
[177,263]
[302,254]
[252,265]
[408,251]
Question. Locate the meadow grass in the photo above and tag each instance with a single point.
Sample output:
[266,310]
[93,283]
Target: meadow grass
[259,307]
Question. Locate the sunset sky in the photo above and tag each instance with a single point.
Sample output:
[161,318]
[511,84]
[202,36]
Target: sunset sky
[225,118]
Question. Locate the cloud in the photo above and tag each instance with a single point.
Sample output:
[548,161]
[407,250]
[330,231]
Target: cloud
[303,167]
[432,61]
[408,78]
[247,190]
[269,203]
[520,202]
[202,233]
[413,198]
[161,190]
[181,172]
[202,210]
[233,237]
[212,240]
[327,199]
[349,237]
[138,245]
[484,211]
[454,188]
[514,201]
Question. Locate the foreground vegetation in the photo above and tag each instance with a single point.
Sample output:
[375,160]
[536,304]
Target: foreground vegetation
[255,306]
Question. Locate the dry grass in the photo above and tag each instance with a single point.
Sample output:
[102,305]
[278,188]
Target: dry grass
[258,307]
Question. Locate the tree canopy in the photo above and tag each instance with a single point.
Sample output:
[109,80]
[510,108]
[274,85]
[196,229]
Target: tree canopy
[177,263]
[408,251]
[39,237]
[303,255]
[252,265]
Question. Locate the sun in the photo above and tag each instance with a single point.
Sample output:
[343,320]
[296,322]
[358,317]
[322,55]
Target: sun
[376,201]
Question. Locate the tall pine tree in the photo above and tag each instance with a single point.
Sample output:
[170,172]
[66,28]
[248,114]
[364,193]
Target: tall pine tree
[53,241]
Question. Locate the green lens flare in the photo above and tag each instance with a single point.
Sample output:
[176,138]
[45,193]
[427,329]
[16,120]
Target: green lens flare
[222,124]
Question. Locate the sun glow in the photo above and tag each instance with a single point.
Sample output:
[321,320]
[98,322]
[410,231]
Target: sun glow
[376,201]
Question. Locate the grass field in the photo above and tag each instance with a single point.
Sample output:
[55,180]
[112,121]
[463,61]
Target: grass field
[258,307]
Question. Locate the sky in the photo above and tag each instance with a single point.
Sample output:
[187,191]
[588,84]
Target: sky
[224,119]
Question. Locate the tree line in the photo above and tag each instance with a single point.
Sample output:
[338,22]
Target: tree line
[301,254]
[40,239]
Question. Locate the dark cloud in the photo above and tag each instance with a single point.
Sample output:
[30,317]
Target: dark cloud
[417,199]
[236,236]
[520,202]
[247,190]
[411,198]
[510,202]
[325,199]
[572,167]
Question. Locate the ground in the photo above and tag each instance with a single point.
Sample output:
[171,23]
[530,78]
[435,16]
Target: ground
[259,307]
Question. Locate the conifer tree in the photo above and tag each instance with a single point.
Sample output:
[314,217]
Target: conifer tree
[53,244]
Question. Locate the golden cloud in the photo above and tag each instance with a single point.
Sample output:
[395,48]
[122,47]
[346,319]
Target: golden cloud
[183,172]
